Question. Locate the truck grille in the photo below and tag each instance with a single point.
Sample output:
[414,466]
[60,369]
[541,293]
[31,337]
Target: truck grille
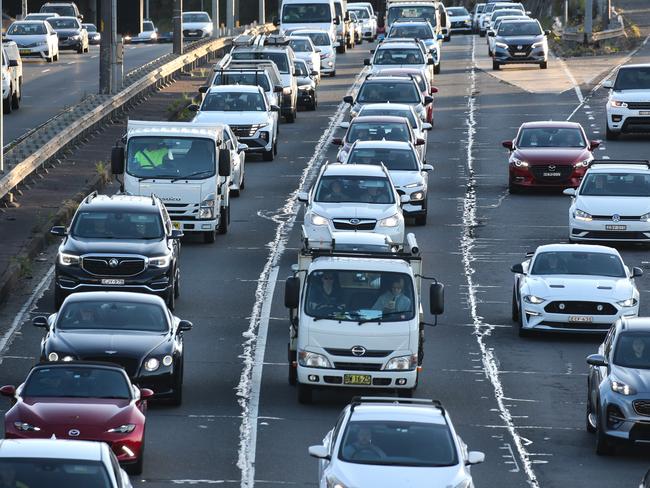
[581,308]
[113,266]
[348,353]
[358,366]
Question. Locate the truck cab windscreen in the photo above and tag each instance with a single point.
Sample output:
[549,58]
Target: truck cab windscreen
[412,12]
[171,157]
[298,13]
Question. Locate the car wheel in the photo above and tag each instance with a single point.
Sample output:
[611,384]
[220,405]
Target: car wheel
[314,103]
[436,69]
[305,394]
[520,323]
[604,446]
[269,155]
[50,58]
[543,64]
[234,192]
[421,219]
[177,397]
[224,218]
[489,52]
[590,418]
[275,148]
[6,105]
[80,50]
[242,185]
[15,100]
[340,49]
[333,74]
[177,284]
[611,135]
[171,299]
[515,308]
[495,66]
[293,375]
[136,468]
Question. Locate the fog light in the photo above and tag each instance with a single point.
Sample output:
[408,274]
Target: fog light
[264,135]
[313,378]
[401,381]
[617,118]
[206,226]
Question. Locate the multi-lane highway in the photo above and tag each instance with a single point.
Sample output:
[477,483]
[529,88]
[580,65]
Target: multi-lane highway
[521,401]
[49,88]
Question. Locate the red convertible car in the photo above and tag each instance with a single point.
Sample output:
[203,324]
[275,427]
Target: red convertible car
[551,155]
[85,401]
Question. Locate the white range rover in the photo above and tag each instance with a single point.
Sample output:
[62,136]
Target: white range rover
[573,288]
[628,104]
[612,203]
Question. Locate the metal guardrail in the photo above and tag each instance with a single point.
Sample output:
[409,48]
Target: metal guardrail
[70,127]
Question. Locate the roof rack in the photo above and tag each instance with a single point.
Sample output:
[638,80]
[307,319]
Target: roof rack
[644,162]
[243,40]
[276,40]
[90,197]
[410,19]
[360,400]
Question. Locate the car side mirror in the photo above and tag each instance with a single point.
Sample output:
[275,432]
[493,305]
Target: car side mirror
[184,326]
[193,107]
[597,360]
[419,141]
[474,457]
[145,393]
[319,452]
[291,292]
[337,141]
[8,391]
[13,63]
[303,197]
[176,234]
[593,145]
[366,62]
[434,89]
[241,147]
[40,321]
[430,62]
[275,108]
[224,163]
[508,145]
[58,230]
[427,167]
[491,34]
[608,84]
[428,100]
[636,272]
[203,89]
[437,298]
[571,192]
[547,32]
[427,126]
[348,99]
[371,51]
[517,268]
[117,160]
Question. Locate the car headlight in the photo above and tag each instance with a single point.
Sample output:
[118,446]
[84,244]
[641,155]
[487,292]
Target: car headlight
[26,427]
[535,300]
[392,221]
[152,364]
[622,388]
[519,163]
[417,195]
[333,482]
[167,360]
[403,363]
[630,302]
[502,45]
[617,103]
[67,359]
[52,356]
[122,429]
[160,261]
[318,220]
[538,44]
[645,217]
[581,215]
[304,87]
[313,360]
[68,259]
[583,164]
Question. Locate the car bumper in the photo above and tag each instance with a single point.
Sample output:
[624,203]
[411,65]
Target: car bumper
[608,231]
[621,119]
[40,51]
[525,178]
[336,377]
[150,282]
[396,233]
[461,27]
[257,144]
[70,44]
[534,317]
[504,56]
[627,425]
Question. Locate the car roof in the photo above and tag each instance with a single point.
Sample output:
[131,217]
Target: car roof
[385,106]
[382,145]
[635,324]
[576,248]
[638,65]
[551,123]
[398,412]
[339,169]
[394,119]
[234,88]
[109,296]
[51,449]
[120,202]
[618,167]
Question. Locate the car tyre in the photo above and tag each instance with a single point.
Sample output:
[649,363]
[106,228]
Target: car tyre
[171,298]
[224,219]
[489,52]
[270,154]
[421,219]
[333,74]
[177,284]
[436,69]
[590,428]
[515,308]
[15,100]
[543,65]
[293,375]
[611,135]
[305,394]
[604,446]
[177,397]
[496,66]
[6,105]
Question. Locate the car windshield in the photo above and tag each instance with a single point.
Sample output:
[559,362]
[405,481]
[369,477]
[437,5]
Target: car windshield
[633,350]
[398,443]
[62,10]
[147,26]
[633,79]
[551,137]
[513,29]
[457,11]
[39,472]
[117,224]
[361,13]
[412,12]
[377,131]
[77,381]
[306,13]
[391,112]
[90,27]
[234,102]
[399,56]
[59,23]
[301,45]
[199,17]
[578,263]
[279,58]
[354,189]
[411,31]
[171,157]
[393,159]
[37,16]
[318,38]
[616,185]
[301,69]
[27,29]
[249,79]
[113,315]
[479,8]
[349,296]
[504,13]
[387,91]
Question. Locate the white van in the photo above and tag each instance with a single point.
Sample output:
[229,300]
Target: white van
[309,14]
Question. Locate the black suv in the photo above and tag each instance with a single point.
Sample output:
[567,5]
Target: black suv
[118,242]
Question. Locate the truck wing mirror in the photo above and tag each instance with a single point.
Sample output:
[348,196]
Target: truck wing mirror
[117,160]
[291,292]
[437,298]
[224,163]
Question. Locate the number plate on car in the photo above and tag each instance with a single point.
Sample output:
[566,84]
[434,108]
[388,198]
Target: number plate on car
[112,281]
[176,225]
[644,112]
[520,54]
[580,318]
[24,51]
[357,379]
[615,227]
[556,173]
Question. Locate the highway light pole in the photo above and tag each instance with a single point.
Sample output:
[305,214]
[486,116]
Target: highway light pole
[230,14]
[24,10]
[178,26]
[107,48]
[261,14]
[215,18]
[2,129]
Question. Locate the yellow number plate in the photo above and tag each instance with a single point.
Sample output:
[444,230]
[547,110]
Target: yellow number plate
[357,379]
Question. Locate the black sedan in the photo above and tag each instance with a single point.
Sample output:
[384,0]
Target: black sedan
[136,331]
[71,33]
[94,37]
[520,42]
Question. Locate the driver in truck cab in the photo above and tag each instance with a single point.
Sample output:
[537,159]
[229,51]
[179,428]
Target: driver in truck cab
[326,295]
[152,155]
[393,300]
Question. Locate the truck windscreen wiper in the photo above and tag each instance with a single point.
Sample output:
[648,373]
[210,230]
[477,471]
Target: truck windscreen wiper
[191,175]
[160,177]
[380,319]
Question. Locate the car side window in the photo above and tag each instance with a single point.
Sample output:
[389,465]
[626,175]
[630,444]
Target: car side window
[116,469]
[609,340]
[336,431]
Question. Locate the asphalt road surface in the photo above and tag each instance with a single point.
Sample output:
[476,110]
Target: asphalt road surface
[49,88]
[521,401]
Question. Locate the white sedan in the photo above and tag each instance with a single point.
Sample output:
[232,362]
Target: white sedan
[573,288]
[35,38]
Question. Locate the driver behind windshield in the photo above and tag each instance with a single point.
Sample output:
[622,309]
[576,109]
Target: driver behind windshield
[152,155]
[326,295]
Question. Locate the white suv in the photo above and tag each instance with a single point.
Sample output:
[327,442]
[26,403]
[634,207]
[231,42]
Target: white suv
[354,197]
[628,104]
[383,442]
[612,203]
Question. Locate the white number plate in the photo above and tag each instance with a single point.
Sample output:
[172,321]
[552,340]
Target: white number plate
[615,227]
[552,174]
[644,112]
[580,319]
[112,281]
[520,54]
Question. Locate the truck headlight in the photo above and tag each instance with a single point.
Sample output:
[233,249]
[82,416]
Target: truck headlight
[402,363]
[535,300]
[581,215]
[318,220]
[616,103]
[622,388]
[206,209]
[68,259]
[630,302]
[392,221]
[313,360]
[160,261]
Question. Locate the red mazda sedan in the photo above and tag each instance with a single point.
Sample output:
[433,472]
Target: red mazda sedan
[551,155]
[86,401]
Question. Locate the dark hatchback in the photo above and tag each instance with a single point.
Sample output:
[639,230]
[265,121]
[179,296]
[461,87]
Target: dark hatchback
[121,242]
[551,155]
[520,42]
[133,330]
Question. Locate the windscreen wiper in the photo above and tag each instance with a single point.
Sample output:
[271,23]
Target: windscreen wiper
[191,175]
[379,319]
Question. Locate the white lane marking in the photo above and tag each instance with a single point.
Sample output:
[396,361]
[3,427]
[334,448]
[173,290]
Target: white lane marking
[24,310]
[248,389]
[71,62]
[95,56]
[483,330]
[572,79]
[45,70]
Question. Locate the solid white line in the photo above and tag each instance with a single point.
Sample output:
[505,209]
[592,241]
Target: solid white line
[572,79]
[482,330]
[45,70]
[250,381]
[24,310]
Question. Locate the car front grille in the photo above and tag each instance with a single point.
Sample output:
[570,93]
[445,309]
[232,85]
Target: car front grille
[638,105]
[632,218]
[367,354]
[581,308]
[615,235]
[354,224]
[559,172]
[130,365]
[113,266]
[513,49]
[642,407]
[245,130]
[358,366]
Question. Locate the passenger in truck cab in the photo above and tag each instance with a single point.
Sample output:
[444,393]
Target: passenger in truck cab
[393,300]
